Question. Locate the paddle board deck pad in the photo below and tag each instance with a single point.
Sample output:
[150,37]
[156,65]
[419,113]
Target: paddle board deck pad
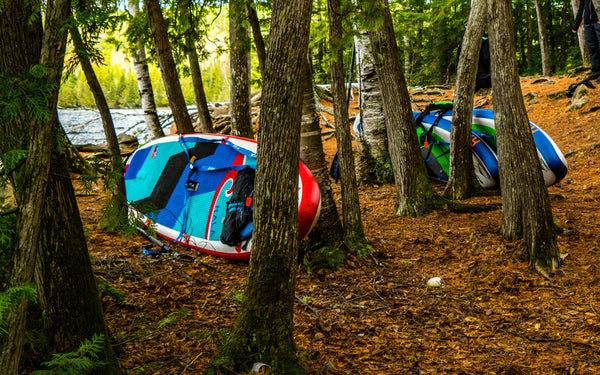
[189,205]
[434,139]
[553,163]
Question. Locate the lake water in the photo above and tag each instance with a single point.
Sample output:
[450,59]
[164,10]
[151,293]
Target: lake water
[84,126]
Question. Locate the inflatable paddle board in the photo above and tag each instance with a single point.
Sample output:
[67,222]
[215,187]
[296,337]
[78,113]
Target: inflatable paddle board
[554,165]
[434,139]
[188,205]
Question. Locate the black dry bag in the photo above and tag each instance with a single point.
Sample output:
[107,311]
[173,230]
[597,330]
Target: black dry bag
[237,225]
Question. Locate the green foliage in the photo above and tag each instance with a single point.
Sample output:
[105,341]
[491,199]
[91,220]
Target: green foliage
[173,317]
[213,335]
[8,162]
[81,361]
[359,243]
[8,213]
[119,83]
[8,220]
[318,257]
[111,291]
[384,172]
[11,297]
[25,94]
[138,35]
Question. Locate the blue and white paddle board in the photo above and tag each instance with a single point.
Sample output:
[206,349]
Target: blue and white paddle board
[436,151]
[157,174]
[553,163]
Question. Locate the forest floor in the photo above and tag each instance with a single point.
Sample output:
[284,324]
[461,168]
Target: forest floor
[375,314]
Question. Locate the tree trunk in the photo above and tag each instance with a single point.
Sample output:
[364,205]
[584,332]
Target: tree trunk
[264,328]
[239,66]
[353,227]
[204,118]
[585,57]
[42,194]
[438,48]
[20,46]
[328,230]
[168,69]
[529,38]
[16,32]
[414,194]
[373,160]
[116,178]
[546,68]
[526,206]
[259,42]
[67,289]
[144,83]
[462,182]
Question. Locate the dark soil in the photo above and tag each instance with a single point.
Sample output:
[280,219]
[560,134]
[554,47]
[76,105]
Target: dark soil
[375,314]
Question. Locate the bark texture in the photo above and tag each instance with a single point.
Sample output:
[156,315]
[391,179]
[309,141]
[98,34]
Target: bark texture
[414,193]
[49,238]
[585,57]
[37,166]
[328,230]
[264,329]
[526,206]
[545,52]
[204,118]
[462,182]
[146,92]
[259,43]
[116,180]
[373,161]
[168,69]
[239,68]
[66,285]
[353,227]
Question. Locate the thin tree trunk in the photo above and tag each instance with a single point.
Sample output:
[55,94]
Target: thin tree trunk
[525,202]
[239,67]
[373,160]
[414,194]
[204,118]
[462,182]
[200,96]
[144,83]
[264,328]
[353,227]
[585,57]
[328,230]
[168,68]
[529,38]
[116,163]
[259,42]
[546,68]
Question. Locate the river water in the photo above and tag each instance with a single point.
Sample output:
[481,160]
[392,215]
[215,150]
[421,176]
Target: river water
[84,126]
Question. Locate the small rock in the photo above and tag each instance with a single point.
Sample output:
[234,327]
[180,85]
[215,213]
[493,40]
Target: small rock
[435,282]
[127,140]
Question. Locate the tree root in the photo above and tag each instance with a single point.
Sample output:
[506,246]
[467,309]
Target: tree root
[463,208]
[542,271]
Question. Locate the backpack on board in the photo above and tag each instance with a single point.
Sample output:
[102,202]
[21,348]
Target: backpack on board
[237,225]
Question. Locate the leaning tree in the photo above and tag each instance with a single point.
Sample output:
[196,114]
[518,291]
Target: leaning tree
[168,69]
[462,182]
